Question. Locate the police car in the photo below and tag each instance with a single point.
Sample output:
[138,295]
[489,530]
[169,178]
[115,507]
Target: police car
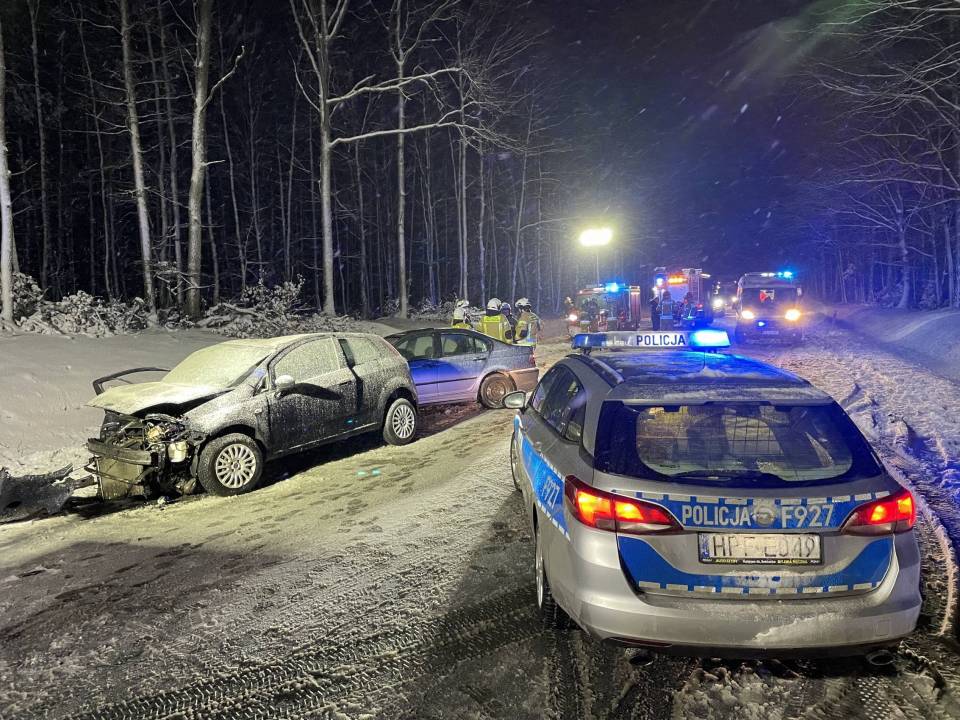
[705,503]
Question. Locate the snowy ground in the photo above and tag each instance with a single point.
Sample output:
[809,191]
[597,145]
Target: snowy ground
[382,582]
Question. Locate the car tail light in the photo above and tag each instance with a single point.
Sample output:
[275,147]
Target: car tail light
[606,511]
[897,513]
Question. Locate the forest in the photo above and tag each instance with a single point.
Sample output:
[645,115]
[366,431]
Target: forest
[390,154]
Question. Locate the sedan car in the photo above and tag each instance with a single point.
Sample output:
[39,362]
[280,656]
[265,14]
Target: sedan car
[226,409]
[709,504]
[453,365]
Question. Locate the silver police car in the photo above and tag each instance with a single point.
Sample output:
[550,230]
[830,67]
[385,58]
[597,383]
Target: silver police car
[704,503]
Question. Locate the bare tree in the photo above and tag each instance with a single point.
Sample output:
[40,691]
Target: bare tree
[140,190]
[6,204]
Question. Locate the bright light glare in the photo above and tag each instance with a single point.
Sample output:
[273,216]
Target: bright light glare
[596,237]
[792,315]
[733,298]
[613,287]
[748,315]
[572,317]
[718,303]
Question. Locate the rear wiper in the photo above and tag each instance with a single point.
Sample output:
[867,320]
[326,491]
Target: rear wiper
[726,476]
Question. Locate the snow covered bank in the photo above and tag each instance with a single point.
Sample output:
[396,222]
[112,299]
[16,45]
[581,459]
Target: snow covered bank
[931,338]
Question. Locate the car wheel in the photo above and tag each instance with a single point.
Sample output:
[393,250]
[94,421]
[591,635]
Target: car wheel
[551,613]
[230,465]
[515,461]
[492,390]
[400,422]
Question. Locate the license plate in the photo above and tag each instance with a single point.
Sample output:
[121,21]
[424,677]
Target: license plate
[760,549]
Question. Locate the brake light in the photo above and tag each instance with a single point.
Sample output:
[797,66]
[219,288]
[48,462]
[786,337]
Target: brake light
[897,513]
[606,511]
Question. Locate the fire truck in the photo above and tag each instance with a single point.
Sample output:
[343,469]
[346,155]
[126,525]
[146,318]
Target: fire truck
[599,308]
[670,290]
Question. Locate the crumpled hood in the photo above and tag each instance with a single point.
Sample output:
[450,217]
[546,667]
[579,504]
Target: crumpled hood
[131,399]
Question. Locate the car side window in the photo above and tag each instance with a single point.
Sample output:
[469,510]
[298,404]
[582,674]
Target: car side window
[481,347]
[418,347]
[576,414]
[359,351]
[308,361]
[559,401]
[460,344]
[543,389]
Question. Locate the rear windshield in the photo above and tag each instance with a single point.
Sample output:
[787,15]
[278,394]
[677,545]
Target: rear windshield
[757,444]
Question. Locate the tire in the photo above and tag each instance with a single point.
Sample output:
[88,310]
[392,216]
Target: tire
[514,462]
[551,613]
[230,465]
[400,422]
[493,388]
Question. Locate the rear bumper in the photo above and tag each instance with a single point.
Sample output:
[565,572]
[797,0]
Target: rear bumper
[526,379]
[591,586]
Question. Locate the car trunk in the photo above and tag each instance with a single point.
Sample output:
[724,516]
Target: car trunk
[754,544]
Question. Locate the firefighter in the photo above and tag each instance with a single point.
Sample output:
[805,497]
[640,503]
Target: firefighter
[507,312]
[528,324]
[460,317]
[493,323]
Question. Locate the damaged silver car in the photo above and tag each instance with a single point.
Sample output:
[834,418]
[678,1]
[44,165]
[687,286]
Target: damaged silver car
[221,413]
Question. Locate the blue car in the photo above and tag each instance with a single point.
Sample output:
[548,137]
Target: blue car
[452,365]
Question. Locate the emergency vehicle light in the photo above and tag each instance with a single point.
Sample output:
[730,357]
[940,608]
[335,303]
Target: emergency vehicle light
[676,279]
[703,339]
[613,287]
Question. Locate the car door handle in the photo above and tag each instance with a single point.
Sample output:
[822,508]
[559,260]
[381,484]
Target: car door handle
[479,359]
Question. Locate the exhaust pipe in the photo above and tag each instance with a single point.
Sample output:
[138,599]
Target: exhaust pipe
[881,658]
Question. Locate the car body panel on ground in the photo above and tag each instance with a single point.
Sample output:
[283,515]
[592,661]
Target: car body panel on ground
[766,556]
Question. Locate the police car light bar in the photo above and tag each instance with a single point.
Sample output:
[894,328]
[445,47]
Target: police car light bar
[703,339]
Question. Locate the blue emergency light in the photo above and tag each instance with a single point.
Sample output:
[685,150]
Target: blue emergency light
[785,274]
[612,287]
[703,339]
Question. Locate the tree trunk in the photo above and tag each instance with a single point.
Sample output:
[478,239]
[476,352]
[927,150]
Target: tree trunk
[198,171]
[481,248]
[904,302]
[401,199]
[34,8]
[362,231]
[164,214]
[101,167]
[174,170]
[133,126]
[214,255]
[6,203]
[231,174]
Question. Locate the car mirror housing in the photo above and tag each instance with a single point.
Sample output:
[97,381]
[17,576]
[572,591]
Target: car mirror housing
[284,382]
[516,400]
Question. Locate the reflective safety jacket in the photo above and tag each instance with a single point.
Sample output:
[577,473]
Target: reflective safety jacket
[496,326]
[528,328]
[461,324]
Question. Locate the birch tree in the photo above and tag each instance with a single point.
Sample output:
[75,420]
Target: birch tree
[6,207]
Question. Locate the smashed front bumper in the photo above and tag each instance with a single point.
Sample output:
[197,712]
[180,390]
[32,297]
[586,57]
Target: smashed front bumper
[121,471]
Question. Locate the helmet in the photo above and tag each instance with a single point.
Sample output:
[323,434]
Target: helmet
[462,304]
[505,308]
[494,304]
[522,303]
[459,313]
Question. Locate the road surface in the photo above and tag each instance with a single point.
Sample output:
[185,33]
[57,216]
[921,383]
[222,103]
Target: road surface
[382,582]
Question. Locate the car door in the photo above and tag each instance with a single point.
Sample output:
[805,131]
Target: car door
[536,439]
[321,401]
[366,361]
[420,351]
[462,360]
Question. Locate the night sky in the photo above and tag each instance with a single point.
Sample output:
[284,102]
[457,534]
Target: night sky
[695,117]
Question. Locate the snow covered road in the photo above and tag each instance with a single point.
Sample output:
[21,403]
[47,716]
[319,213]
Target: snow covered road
[398,583]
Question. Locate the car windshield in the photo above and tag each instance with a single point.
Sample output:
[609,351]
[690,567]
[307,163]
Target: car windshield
[219,366]
[771,295]
[755,443]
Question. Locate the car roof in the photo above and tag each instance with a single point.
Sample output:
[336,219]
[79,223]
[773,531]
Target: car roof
[276,343]
[688,377]
[467,331]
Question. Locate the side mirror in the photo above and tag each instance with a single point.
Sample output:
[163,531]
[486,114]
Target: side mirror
[516,400]
[284,383]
